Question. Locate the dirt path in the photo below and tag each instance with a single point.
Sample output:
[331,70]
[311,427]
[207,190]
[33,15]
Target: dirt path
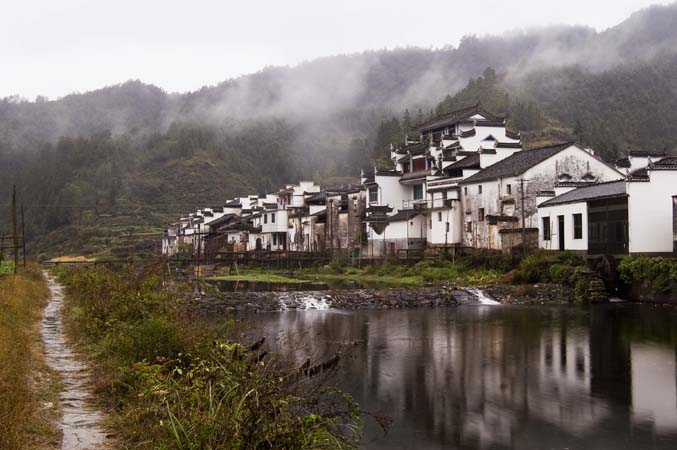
[81,422]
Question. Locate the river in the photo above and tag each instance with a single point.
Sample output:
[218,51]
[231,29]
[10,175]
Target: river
[500,377]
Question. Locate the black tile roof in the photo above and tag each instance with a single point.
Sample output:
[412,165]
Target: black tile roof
[224,220]
[469,162]
[513,134]
[508,145]
[456,116]
[420,174]
[404,214]
[388,173]
[586,193]
[623,162]
[317,197]
[668,161]
[417,148]
[642,153]
[517,163]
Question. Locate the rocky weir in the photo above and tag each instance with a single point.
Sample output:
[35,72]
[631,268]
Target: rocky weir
[224,302]
[81,422]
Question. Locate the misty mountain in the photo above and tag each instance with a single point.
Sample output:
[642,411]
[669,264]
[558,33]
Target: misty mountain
[138,154]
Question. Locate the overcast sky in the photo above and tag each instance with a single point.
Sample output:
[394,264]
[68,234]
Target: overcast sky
[54,48]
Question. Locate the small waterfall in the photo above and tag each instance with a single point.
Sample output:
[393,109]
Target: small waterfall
[310,302]
[291,301]
[482,297]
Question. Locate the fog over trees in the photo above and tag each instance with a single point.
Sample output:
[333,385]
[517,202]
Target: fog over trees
[135,150]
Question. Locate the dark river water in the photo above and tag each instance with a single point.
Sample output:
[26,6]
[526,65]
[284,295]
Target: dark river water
[501,377]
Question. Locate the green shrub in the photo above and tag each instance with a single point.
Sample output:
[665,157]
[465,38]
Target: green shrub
[657,274]
[143,340]
[561,273]
[6,266]
[546,266]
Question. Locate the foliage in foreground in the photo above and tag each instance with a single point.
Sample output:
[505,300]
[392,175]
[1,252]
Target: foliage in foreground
[21,299]
[657,274]
[173,384]
[6,266]
[542,267]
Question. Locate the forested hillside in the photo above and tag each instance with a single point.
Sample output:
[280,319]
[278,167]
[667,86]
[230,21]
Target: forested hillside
[112,166]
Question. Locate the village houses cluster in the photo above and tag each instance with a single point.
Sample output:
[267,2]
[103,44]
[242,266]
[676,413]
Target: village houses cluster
[464,182]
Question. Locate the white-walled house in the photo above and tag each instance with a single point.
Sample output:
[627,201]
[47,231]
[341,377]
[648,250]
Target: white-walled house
[631,216]
[425,177]
[492,198]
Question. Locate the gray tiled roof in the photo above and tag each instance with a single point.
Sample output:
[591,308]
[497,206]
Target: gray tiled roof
[456,116]
[583,194]
[404,214]
[466,163]
[517,163]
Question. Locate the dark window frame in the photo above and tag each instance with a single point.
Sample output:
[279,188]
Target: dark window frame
[373,194]
[418,187]
[547,232]
[578,225]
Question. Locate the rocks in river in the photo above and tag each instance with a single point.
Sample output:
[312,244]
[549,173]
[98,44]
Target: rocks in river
[343,299]
[530,294]
[590,287]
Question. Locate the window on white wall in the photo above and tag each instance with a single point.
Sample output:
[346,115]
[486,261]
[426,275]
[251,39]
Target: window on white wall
[479,189]
[578,226]
[418,192]
[546,228]
[373,194]
[439,217]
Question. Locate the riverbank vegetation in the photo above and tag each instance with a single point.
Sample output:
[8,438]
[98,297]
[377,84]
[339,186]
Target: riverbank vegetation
[173,382]
[462,272]
[258,275]
[27,387]
[658,275]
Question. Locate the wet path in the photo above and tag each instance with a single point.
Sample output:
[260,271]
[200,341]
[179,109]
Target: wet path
[80,422]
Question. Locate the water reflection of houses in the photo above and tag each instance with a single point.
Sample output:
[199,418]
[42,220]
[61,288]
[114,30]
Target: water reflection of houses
[493,378]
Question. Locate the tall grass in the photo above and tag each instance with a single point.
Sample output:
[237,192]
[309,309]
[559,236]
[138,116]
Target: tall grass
[172,382]
[21,299]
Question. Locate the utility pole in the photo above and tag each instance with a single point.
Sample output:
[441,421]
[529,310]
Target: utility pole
[15,237]
[524,241]
[23,234]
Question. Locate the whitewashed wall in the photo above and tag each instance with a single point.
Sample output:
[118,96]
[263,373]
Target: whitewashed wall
[650,213]
[391,192]
[568,210]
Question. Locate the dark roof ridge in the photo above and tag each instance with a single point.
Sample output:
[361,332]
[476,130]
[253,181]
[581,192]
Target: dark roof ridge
[517,163]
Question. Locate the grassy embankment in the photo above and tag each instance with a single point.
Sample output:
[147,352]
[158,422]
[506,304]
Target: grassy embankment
[28,389]
[389,274]
[172,382]
[462,272]
[259,276]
